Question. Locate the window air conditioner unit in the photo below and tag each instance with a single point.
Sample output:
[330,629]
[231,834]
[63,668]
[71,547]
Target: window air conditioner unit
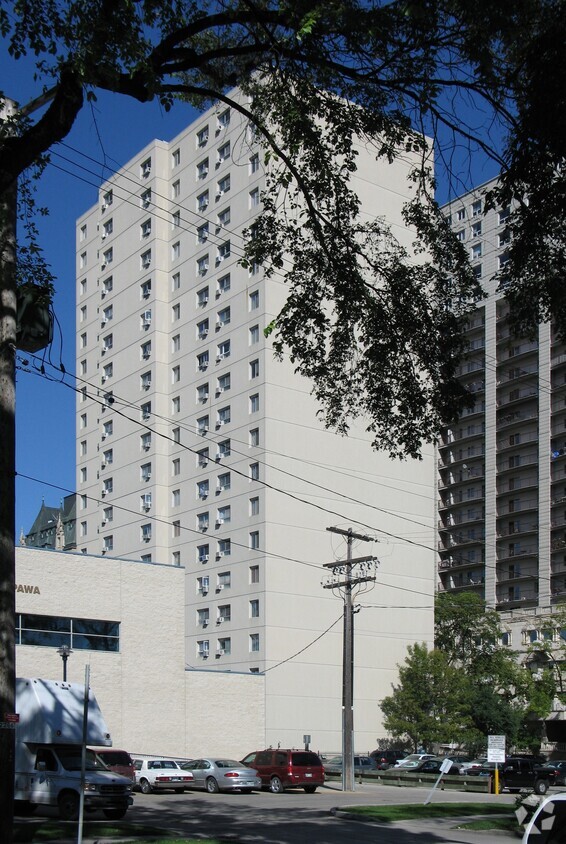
[204,590]
[103,465]
[145,356]
[104,435]
[220,520]
[104,522]
[205,623]
[219,588]
[104,235]
[145,415]
[204,558]
[204,654]
[220,652]
[202,334]
[102,293]
[204,301]
[147,477]
[146,446]
[203,495]
[104,206]
[145,294]
[219,358]
[103,265]
[104,378]
[220,619]
[103,321]
[146,538]
[146,385]
[202,462]
[103,493]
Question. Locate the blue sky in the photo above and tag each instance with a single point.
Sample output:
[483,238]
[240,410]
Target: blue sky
[111,130]
[115,129]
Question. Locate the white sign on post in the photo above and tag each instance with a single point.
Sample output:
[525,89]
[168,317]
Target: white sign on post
[496,749]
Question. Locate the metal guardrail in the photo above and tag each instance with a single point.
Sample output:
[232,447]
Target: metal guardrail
[414,779]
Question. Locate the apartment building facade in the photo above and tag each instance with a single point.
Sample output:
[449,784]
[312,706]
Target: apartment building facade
[502,467]
[195,448]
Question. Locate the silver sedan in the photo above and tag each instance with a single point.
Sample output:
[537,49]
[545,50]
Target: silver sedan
[219,774]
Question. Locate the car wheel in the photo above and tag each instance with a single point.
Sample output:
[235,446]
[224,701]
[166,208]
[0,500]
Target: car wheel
[541,787]
[212,786]
[115,814]
[68,803]
[145,787]
[276,786]
[310,789]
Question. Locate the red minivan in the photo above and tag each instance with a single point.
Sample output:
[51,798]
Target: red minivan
[280,769]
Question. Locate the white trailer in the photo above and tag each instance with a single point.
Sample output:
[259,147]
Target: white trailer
[49,743]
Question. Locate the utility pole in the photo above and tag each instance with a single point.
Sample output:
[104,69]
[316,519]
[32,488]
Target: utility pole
[345,577]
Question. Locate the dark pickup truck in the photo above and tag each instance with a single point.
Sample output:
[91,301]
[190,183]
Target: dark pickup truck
[519,772]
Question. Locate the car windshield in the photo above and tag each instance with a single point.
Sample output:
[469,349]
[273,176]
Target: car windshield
[71,758]
[226,763]
[335,760]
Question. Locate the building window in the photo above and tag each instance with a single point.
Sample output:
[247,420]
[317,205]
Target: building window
[223,153]
[145,198]
[176,466]
[176,343]
[176,529]
[145,168]
[176,189]
[223,449]
[202,425]
[224,646]
[145,441]
[223,416]
[223,284]
[108,486]
[202,265]
[476,251]
[202,233]
[223,317]
[107,515]
[202,457]
[145,229]
[83,260]
[202,297]
[203,616]
[107,429]
[83,448]
[254,471]
[254,335]
[254,506]
[202,201]
[254,642]
[202,393]
[176,498]
[202,361]
[202,169]
[224,548]
[203,489]
[145,471]
[223,186]
[203,648]
[254,368]
[176,312]
[223,252]
[254,403]
[76,633]
[145,350]
[202,521]
[145,289]
[82,342]
[223,383]
[176,282]
[461,214]
[176,558]
[145,533]
[176,251]
[203,553]
[145,409]
[175,374]
[254,540]
[224,579]
[254,163]
[202,329]
[82,286]
[202,136]
[107,343]
[176,435]
[224,482]
[224,515]
[145,259]
[223,350]
[145,380]
[223,218]
[224,119]
[476,229]
[107,457]
[176,158]
[254,198]
[176,404]
[254,574]
[476,208]
[254,300]
[254,608]
[175,219]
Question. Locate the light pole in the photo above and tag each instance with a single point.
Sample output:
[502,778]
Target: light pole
[64,651]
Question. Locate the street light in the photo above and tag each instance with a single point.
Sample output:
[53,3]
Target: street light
[64,652]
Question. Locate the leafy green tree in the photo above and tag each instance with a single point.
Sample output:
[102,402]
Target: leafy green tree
[376,331]
[429,704]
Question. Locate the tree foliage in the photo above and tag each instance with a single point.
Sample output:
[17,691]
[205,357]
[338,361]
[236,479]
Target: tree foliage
[377,332]
[487,689]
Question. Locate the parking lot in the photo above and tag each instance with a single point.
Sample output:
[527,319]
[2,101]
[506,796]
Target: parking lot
[295,817]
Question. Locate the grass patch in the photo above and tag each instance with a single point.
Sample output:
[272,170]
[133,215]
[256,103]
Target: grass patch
[414,811]
[501,824]
[46,830]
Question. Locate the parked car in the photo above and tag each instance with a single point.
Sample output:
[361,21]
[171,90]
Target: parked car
[281,769]
[116,760]
[432,766]
[559,766]
[362,764]
[413,760]
[218,774]
[385,758]
[521,772]
[160,775]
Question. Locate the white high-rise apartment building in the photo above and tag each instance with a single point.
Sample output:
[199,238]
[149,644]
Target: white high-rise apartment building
[502,467]
[195,448]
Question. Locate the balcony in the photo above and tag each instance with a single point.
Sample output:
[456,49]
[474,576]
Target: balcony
[515,418]
[458,562]
[518,554]
[521,461]
[516,396]
[525,438]
[457,541]
[461,519]
[517,506]
[528,527]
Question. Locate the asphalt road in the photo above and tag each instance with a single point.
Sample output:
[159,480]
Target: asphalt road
[298,818]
